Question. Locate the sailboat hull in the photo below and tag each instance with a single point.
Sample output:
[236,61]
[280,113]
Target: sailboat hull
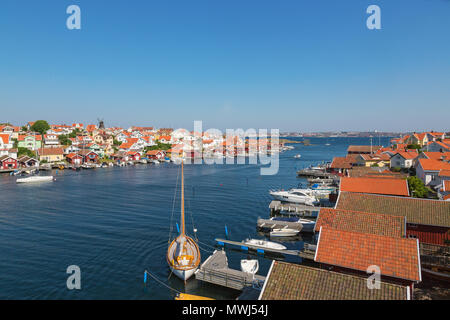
[183,274]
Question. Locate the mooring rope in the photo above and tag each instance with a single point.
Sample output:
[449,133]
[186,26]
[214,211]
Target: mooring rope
[159,281]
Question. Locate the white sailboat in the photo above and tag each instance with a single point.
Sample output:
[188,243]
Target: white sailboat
[183,254]
[35,179]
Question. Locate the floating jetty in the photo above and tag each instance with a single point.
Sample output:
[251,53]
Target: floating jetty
[215,270]
[307,253]
[298,209]
[315,174]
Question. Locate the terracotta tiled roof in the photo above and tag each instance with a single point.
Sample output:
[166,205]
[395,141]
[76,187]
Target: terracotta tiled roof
[5,138]
[51,151]
[363,148]
[434,165]
[288,281]
[417,211]
[396,257]
[362,171]
[387,186]
[341,163]
[408,155]
[437,155]
[444,173]
[357,221]
[154,152]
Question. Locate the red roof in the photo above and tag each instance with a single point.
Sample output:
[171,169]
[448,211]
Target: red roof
[444,173]
[434,165]
[4,137]
[51,151]
[364,222]
[154,152]
[386,186]
[341,163]
[396,257]
[437,155]
[408,155]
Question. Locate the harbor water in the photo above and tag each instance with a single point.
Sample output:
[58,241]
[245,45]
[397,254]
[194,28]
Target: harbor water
[114,223]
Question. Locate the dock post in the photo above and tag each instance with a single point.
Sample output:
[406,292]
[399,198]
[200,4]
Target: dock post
[226,232]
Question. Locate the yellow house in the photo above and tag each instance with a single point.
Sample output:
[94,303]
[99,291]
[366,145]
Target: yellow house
[51,154]
[418,138]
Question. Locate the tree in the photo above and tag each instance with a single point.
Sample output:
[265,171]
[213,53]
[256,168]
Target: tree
[40,126]
[417,188]
[116,143]
[64,140]
[74,133]
[159,146]
[25,152]
[24,129]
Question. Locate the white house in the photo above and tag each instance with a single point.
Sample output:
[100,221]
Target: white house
[404,160]
[428,170]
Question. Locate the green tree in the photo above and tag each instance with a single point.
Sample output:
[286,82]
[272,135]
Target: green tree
[64,140]
[414,146]
[24,129]
[116,143]
[417,188]
[40,126]
[159,146]
[25,152]
[74,133]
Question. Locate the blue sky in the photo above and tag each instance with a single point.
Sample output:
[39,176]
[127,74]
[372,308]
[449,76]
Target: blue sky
[291,64]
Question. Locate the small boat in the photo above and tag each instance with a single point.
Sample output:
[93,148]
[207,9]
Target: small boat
[156,162]
[185,296]
[283,232]
[35,179]
[143,161]
[250,266]
[307,225]
[87,166]
[301,196]
[297,156]
[327,144]
[264,244]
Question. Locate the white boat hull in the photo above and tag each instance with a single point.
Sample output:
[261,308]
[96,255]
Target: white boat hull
[35,179]
[183,274]
[249,266]
[283,233]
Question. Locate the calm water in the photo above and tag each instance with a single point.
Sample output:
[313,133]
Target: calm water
[114,224]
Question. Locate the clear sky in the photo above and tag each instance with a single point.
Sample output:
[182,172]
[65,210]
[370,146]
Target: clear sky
[290,64]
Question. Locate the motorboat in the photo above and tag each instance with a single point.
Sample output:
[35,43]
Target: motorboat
[297,156]
[300,196]
[35,179]
[156,162]
[143,161]
[283,232]
[307,225]
[322,188]
[264,244]
[250,265]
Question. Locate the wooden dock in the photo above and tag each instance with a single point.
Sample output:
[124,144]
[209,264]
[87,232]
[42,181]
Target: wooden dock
[273,224]
[296,209]
[215,270]
[305,254]
[315,174]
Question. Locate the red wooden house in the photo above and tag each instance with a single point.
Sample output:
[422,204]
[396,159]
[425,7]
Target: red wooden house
[88,156]
[134,155]
[74,159]
[156,154]
[7,163]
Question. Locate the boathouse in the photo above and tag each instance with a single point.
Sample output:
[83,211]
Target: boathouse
[358,253]
[288,281]
[363,222]
[426,219]
[7,163]
[362,149]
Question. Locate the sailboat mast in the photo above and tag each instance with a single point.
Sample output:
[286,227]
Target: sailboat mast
[182,198]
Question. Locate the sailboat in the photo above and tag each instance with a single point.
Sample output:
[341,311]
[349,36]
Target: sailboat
[183,254]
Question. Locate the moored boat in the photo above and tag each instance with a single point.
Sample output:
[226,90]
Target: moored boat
[183,254]
[250,265]
[35,179]
[283,232]
[265,244]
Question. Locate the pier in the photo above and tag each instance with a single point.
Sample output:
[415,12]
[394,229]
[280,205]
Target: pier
[307,253]
[296,209]
[215,270]
[315,174]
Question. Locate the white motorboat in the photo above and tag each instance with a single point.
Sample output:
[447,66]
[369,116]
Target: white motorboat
[35,179]
[297,156]
[301,196]
[156,162]
[307,225]
[143,161]
[265,244]
[283,232]
[250,266]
